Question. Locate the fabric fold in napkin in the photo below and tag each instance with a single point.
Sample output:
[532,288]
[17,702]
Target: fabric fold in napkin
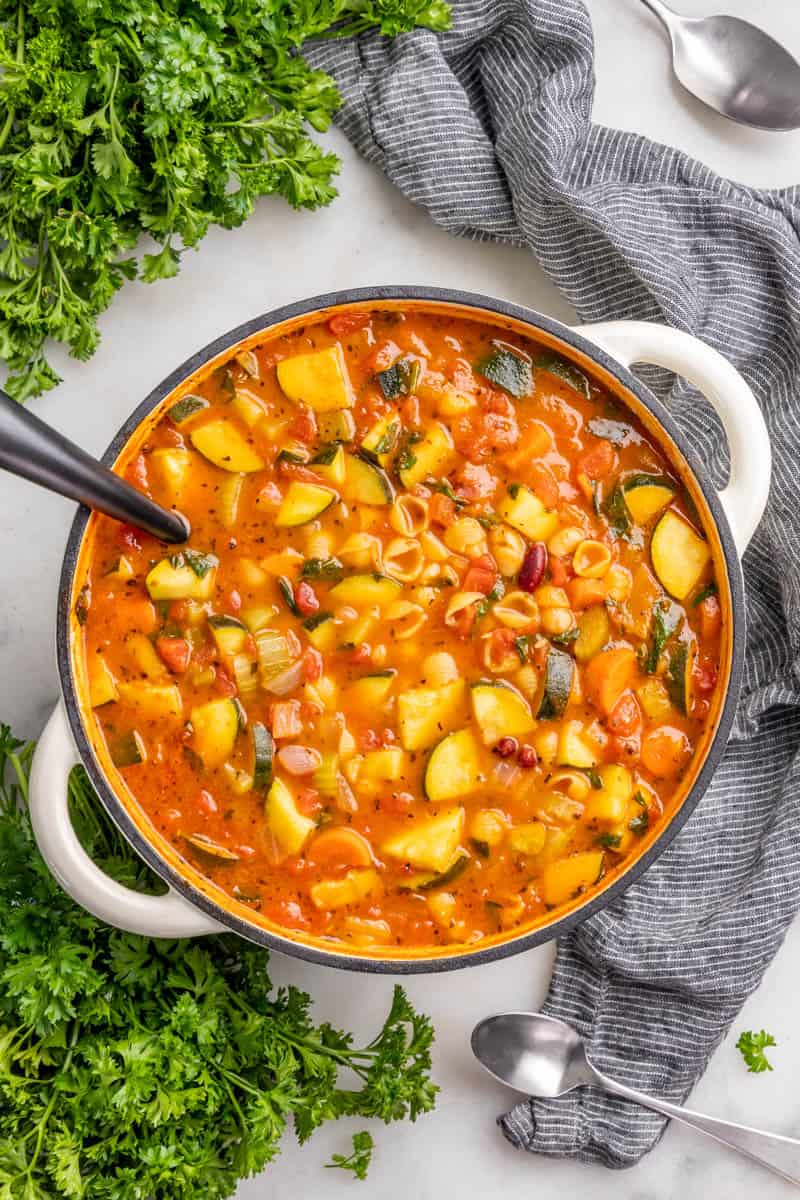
[488,127]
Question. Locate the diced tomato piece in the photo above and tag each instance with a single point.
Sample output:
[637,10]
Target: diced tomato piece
[710,617]
[475,482]
[627,749]
[291,470]
[383,356]
[361,654]
[348,322]
[560,571]
[600,460]
[306,598]
[442,510]
[287,913]
[179,612]
[130,536]
[368,740]
[396,803]
[705,674]
[175,652]
[307,801]
[223,684]
[544,484]
[270,493]
[233,600]
[626,716]
[461,375]
[284,719]
[541,652]
[481,575]
[409,411]
[388,737]
[303,425]
[498,403]
[206,802]
[502,431]
[137,472]
[312,665]
[465,620]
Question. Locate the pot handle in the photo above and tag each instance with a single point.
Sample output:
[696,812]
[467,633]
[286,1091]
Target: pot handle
[167,916]
[745,497]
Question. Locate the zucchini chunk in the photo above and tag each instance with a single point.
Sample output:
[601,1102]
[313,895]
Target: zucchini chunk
[381,440]
[679,675]
[223,445]
[188,407]
[229,633]
[608,804]
[499,710]
[525,512]
[679,554]
[144,654]
[430,844]
[321,631]
[263,755]
[172,467]
[357,885]
[318,379]
[365,482]
[383,766]
[508,368]
[370,691]
[229,496]
[557,685]
[174,579]
[331,464]
[289,827]
[302,503]
[207,846]
[453,767]
[215,728]
[433,455]
[424,714]
[248,407]
[121,569]
[337,426]
[156,701]
[366,591]
[428,881]
[128,750]
[594,630]
[569,877]
[102,684]
[646,495]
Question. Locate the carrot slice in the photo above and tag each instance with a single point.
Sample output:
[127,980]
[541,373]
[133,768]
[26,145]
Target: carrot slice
[341,847]
[608,676]
[665,751]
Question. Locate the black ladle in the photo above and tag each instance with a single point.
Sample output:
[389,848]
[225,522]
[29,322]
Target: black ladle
[31,449]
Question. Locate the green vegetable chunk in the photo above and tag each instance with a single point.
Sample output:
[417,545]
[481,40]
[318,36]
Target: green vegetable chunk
[122,1049]
[751,1046]
[509,369]
[124,119]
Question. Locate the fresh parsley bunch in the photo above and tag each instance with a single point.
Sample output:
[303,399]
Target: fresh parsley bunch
[141,1069]
[124,117]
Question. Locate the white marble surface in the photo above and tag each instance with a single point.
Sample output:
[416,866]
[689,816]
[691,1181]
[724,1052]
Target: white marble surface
[371,235]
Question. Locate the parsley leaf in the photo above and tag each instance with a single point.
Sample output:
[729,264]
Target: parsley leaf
[155,118]
[322,568]
[666,619]
[752,1046]
[167,1068]
[357,1162]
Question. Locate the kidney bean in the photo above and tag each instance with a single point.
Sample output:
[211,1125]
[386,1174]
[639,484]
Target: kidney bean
[506,747]
[534,565]
[527,756]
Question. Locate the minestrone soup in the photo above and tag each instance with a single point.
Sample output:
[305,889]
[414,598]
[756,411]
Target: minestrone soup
[443,649]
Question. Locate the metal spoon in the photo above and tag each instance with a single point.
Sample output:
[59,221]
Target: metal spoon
[544,1057]
[31,449]
[734,68]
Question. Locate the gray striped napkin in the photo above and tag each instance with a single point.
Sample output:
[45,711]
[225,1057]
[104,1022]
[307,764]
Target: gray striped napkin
[488,128]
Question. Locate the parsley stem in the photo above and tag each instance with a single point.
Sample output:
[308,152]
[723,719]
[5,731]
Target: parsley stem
[20,57]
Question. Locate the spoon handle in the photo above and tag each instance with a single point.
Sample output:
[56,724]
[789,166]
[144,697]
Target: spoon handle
[779,1154]
[33,450]
[664,14]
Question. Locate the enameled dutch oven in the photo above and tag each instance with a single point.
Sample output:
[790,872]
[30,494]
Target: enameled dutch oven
[193,905]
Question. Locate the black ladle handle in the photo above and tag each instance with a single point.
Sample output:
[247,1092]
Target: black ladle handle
[33,450]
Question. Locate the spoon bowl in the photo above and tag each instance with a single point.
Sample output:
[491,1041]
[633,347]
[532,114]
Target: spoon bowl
[734,68]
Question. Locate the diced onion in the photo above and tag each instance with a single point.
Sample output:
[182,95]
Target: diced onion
[286,681]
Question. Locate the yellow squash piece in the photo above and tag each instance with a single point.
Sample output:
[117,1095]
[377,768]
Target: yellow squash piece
[383,765]
[318,379]
[356,885]
[646,495]
[156,701]
[425,714]
[574,749]
[433,455]
[215,727]
[102,684]
[429,844]
[289,827]
[172,467]
[144,654]
[524,511]
[568,877]
[500,711]
[168,582]
[368,694]
[679,554]
[303,502]
[453,767]
[607,805]
[222,444]
[364,591]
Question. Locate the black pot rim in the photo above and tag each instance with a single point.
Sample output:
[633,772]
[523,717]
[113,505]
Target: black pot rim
[527,940]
